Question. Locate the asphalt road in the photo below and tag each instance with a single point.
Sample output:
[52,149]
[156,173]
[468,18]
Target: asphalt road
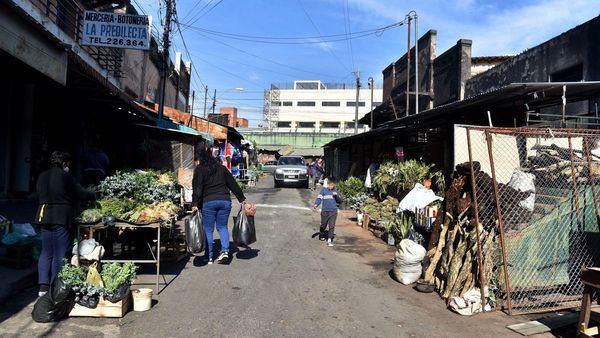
[289,285]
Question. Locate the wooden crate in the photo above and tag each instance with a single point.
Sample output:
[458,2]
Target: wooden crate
[105,309]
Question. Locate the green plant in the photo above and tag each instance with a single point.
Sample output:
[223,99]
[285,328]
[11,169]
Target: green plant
[357,202]
[400,225]
[382,211]
[351,187]
[114,275]
[392,178]
[71,274]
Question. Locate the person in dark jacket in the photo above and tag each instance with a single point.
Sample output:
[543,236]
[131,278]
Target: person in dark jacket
[58,194]
[213,184]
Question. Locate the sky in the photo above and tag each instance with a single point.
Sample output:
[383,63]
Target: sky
[313,40]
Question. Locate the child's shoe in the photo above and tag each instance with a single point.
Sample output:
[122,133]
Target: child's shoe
[330,242]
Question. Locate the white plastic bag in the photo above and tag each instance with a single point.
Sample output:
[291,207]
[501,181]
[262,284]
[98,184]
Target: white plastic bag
[407,263]
[469,304]
[524,182]
[418,198]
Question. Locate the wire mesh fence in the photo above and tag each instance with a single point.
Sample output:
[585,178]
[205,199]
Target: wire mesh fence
[536,194]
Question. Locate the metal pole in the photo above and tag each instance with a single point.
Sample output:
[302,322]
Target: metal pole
[408,66]
[356,103]
[564,107]
[205,98]
[192,108]
[371,85]
[165,63]
[574,178]
[416,64]
[482,277]
[591,178]
[488,138]
[214,102]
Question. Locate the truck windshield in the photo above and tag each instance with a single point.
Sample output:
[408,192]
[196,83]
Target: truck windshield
[291,161]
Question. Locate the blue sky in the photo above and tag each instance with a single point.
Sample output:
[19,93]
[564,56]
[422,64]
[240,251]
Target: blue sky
[496,27]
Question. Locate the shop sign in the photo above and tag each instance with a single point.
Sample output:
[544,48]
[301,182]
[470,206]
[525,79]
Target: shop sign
[116,30]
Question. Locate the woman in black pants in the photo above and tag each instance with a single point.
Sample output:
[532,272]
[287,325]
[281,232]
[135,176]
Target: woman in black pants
[58,194]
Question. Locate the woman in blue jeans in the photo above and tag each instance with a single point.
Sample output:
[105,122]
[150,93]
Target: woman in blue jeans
[213,185]
[58,195]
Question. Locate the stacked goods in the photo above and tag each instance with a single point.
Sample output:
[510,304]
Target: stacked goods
[554,165]
[381,211]
[392,178]
[453,247]
[138,197]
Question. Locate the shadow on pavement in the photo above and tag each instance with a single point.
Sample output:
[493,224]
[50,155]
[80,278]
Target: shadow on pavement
[247,253]
[17,302]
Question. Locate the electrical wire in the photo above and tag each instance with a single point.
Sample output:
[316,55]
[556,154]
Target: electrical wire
[348,31]
[200,11]
[376,31]
[205,13]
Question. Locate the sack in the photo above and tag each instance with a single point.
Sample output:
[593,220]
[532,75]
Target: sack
[91,302]
[194,234]
[524,182]
[93,277]
[55,304]
[407,263]
[122,293]
[244,231]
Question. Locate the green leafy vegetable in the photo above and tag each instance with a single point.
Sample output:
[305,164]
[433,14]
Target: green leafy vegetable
[114,275]
[71,274]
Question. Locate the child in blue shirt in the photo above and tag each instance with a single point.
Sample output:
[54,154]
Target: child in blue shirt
[330,198]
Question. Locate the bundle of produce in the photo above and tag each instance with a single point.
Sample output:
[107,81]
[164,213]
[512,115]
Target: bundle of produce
[392,178]
[139,197]
[351,188]
[381,211]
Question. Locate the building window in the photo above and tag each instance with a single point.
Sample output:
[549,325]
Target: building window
[276,104]
[375,104]
[306,103]
[284,124]
[306,124]
[330,124]
[330,103]
[287,103]
[353,104]
[307,85]
[350,125]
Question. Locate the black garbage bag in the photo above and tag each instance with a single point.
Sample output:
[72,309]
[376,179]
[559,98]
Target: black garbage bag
[55,304]
[194,234]
[90,302]
[122,293]
[244,231]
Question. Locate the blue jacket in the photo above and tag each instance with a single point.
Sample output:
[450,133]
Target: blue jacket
[330,202]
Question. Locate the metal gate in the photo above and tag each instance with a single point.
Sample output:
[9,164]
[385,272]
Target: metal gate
[536,192]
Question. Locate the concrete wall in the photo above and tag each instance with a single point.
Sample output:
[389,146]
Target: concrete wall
[578,46]
[299,140]
[452,69]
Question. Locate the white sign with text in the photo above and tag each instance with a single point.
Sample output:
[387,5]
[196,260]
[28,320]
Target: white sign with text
[116,30]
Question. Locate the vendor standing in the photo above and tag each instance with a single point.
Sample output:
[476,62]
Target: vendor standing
[58,194]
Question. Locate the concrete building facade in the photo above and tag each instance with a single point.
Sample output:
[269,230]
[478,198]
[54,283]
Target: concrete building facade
[317,107]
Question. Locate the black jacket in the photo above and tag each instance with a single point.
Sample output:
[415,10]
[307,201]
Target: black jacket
[214,187]
[58,194]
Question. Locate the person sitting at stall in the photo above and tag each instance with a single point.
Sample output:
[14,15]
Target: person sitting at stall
[212,184]
[58,194]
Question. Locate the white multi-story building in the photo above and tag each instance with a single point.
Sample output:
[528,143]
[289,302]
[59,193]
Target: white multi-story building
[317,107]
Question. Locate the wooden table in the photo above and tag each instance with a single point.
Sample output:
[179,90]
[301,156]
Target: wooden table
[591,281]
[91,228]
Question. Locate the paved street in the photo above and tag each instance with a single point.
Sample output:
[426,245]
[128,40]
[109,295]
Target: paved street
[288,285]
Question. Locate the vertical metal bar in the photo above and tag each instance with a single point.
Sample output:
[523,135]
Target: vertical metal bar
[408,68]
[416,64]
[158,259]
[591,176]
[488,137]
[482,277]
[574,178]
[564,107]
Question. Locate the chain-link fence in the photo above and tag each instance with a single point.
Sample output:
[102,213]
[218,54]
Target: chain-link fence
[537,205]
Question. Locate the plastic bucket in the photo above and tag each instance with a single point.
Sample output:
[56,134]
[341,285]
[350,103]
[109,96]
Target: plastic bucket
[142,299]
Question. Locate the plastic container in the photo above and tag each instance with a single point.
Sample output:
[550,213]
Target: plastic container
[142,299]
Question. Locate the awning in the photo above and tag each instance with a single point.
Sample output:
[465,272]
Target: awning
[177,128]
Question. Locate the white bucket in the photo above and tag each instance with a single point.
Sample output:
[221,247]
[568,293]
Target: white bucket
[142,299]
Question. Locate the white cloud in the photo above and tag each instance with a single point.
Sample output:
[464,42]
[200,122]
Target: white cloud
[494,31]
[254,76]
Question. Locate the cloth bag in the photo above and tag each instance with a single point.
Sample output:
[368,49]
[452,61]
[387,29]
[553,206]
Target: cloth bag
[194,234]
[407,262]
[244,231]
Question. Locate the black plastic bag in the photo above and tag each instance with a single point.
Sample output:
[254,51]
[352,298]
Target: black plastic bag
[244,231]
[55,304]
[122,293]
[194,234]
[90,302]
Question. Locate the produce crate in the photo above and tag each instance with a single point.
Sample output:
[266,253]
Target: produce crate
[105,309]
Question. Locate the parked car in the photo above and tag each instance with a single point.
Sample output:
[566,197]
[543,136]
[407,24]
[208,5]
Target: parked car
[269,167]
[291,170]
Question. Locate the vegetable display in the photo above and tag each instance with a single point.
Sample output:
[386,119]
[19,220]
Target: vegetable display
[137,197]
[114,275]
[392,178]
[352,187]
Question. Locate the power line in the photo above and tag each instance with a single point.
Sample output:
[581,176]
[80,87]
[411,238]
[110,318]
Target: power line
[376,31]
[192,9]
[267,59]
[200,11]
[205,13]
[348,30]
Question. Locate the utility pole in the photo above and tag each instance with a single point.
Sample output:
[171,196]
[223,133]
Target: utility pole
[169,4]
[205,98]
[356,103]
[214,102]
[192,108]
[416,62]
[371,85]
[408,18]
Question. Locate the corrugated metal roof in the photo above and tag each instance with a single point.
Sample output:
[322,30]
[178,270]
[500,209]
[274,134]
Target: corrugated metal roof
[308,152]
